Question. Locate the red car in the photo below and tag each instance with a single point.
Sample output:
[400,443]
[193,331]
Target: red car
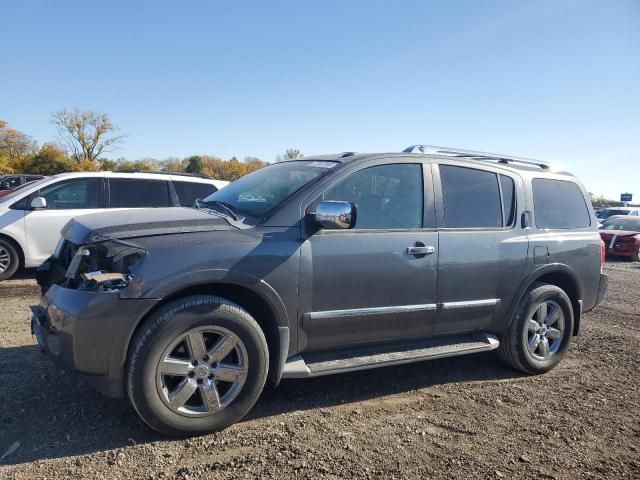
[621,236]
[4,193]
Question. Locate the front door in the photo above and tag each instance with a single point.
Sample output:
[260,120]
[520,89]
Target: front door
[369,284]
[65,199]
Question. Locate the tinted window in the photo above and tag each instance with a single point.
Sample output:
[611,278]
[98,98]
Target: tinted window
[263,190]
[471,198]
[135,193]
[188,192]
[508,199]
[388,196]
[559,204]
[73,194]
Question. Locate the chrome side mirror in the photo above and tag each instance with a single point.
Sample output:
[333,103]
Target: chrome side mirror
[38,203]
[332,215]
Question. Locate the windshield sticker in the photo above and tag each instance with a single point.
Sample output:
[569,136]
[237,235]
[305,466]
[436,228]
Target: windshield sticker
[322,164]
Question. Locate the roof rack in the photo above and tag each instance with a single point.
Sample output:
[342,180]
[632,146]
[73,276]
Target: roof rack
[473,155]
[184,174]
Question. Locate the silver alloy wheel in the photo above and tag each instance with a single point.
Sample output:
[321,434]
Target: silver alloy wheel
[545,330]
[5,260]
[202,371]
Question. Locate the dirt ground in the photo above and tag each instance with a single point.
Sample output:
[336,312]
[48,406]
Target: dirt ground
[467,417]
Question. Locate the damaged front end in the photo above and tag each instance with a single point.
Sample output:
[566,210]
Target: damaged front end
[105,266]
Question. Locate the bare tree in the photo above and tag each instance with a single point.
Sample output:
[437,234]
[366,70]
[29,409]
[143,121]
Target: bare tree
[290,154]
[87,134]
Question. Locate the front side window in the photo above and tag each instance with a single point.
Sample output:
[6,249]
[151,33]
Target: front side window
[263,190]
[72,194]
[386,196]
[138,193]
[559,204]
[471,198]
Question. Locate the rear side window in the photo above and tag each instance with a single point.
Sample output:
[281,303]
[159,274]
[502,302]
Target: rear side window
[136,193]
[188,192]
[471,198]
[559,204]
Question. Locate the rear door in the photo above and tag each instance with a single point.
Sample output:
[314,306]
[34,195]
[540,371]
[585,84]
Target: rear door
[138,193]
[65,199]
[483,249]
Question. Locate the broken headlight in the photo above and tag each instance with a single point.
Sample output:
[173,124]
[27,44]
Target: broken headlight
[106,266]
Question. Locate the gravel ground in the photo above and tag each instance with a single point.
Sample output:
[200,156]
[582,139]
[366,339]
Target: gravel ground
[466,417]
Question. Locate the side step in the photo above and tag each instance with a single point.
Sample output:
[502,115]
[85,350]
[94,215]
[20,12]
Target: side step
[314,364]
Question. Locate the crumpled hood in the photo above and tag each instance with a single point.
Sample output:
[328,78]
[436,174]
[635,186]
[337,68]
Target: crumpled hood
[122,224]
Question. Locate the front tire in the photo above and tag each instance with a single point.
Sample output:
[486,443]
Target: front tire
[197,366]
[9,260]
[540,331]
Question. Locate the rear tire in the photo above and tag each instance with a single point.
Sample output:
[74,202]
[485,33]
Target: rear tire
[197,366]
[540,332]
[9,260]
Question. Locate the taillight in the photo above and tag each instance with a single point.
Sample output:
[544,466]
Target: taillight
[603,252]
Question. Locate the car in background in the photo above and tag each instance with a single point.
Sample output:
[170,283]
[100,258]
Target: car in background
[621,235]
[611,211]
[11,182]
[31,218]
[4,193]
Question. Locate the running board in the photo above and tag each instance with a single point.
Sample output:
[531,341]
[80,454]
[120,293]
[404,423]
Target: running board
[314,365]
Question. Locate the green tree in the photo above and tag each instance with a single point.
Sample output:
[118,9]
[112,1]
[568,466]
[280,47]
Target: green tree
[87,134]
[194,165]
[50,160]
[108,165]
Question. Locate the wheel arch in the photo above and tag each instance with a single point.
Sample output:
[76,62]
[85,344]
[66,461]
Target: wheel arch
[18,247]
[272,318]
[562,276]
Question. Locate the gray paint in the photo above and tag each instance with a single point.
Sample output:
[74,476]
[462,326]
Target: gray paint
[328,290]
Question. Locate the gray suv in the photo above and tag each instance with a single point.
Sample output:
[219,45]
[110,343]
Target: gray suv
[317,266]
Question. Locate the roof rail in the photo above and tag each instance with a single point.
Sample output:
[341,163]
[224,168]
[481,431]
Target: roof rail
[184,174]
[473,155]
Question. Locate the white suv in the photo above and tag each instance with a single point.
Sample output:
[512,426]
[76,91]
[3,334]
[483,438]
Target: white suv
[31,218]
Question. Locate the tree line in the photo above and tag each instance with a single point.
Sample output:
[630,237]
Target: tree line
[84,138]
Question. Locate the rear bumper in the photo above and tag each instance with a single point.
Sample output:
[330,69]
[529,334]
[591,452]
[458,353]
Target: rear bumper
[88,333]
[602,290]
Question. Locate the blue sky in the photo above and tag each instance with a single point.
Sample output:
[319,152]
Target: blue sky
[557,80]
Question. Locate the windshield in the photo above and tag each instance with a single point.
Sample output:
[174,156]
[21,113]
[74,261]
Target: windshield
[265,189]
[20,190]
[628,224]
[611,212]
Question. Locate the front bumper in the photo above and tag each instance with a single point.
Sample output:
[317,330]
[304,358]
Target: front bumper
[89,332]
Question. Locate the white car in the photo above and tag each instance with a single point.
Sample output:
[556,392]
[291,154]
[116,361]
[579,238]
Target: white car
[31,218]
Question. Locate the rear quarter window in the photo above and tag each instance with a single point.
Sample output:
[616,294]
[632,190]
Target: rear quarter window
[559,204]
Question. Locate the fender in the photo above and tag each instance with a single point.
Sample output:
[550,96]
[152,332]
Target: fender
[155,294]
[540,272]
[211,276]
[24,251]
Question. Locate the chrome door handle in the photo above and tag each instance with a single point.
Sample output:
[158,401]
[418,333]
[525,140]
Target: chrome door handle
[421,250]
